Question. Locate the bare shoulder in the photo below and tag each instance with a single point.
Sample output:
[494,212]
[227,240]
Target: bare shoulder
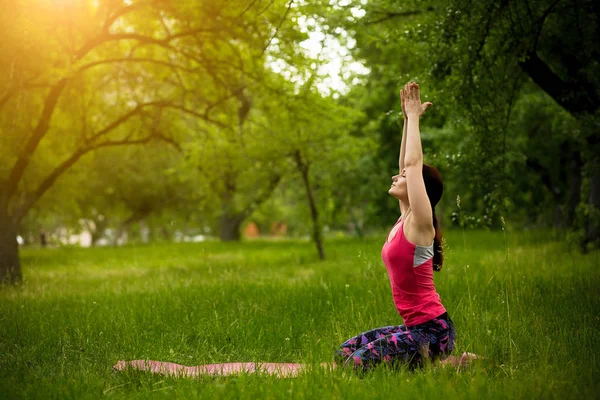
[417,233]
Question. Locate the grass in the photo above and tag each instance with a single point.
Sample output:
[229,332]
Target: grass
[531,307]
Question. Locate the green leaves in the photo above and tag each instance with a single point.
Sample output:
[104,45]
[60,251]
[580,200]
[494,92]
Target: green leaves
[189,75]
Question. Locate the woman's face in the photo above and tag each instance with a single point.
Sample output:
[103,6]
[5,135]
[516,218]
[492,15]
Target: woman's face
[398,188]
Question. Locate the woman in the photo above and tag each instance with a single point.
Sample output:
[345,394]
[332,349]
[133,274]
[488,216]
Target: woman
[411,253]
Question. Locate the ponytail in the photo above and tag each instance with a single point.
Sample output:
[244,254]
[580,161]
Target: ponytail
[435,188]
[438,258]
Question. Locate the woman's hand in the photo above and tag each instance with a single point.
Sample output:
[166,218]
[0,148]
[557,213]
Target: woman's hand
[411,101]
[403,101]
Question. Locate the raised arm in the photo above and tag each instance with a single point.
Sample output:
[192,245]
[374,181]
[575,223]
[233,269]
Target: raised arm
[421,225]
[403,207]
[404,127]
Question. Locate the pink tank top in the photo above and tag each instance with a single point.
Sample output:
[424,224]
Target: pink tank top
[410,268]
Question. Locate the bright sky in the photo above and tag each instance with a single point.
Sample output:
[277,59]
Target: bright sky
[337,66]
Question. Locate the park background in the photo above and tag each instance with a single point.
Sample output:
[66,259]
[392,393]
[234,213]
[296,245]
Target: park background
[228,162]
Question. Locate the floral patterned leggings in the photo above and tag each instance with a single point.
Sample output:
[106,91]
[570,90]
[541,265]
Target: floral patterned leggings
[399,344]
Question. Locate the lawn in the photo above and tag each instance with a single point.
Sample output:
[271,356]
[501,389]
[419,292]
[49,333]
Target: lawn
[528,302]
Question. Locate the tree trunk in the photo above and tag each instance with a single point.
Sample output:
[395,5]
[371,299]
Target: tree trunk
[230,227]
[10,265]
[573,189]
[97,231]
[314,212]
[124,227]
[592,225]
[165,234]
[356,224]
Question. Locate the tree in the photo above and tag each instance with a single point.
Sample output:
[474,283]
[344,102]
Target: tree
[104,74]
[552,43]
[128,185]
[479,59]
[320,152]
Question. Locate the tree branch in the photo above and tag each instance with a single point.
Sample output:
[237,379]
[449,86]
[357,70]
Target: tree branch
[40,130]
[247,8]
[56,90]
[388,15]
[106,37]
[540,23]
[160,104]
[7,95]
[123,118]
[27,84]
[134,59]
[571,96]
[124,10]
[196,114]
[261,198]
[545,177]
[136,216]
[64,166]
[289,6]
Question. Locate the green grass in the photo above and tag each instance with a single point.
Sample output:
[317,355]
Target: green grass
[532,308]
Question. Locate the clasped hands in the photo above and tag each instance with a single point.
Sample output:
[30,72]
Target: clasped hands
[411,101]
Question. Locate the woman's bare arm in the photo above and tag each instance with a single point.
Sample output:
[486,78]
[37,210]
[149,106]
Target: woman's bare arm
[404,128]
[422,219]
[403,207]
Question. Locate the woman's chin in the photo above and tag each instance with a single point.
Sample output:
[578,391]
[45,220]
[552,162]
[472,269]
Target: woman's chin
[395,193]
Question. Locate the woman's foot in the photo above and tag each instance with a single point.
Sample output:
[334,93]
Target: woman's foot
[159,367]
[460,362]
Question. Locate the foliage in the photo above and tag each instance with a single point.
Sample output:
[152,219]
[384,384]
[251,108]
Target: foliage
[113,73]
[498,73]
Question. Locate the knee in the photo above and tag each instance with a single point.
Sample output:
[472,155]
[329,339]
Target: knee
[344,350]
[341,355]
[359,360]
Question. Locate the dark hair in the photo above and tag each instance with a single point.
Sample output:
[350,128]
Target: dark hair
[435,188]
